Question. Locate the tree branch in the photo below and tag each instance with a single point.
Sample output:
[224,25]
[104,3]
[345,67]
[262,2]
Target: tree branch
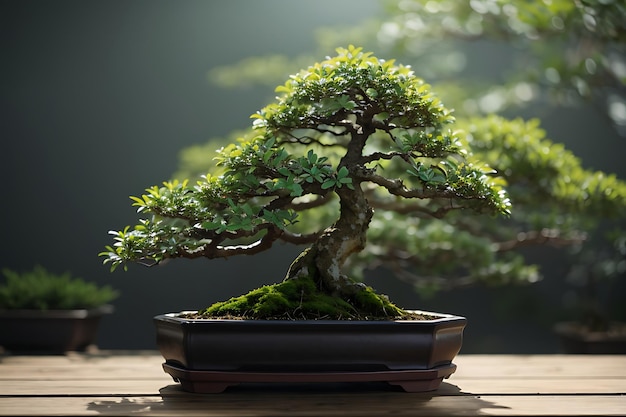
[396,187]
[407,208]
[440,282]
[309,204]
[542,237]
[212,251]
[300,239]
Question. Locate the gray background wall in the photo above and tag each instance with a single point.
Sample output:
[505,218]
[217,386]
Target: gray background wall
[97,99]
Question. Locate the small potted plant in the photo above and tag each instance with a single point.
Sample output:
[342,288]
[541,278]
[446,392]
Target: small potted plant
[352,135]
[44,312]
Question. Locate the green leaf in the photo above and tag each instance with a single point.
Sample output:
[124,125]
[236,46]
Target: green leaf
[312,157]
[296,190]
[371,92]
[210,225]
[138,201]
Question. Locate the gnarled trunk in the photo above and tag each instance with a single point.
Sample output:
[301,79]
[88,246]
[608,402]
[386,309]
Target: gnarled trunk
[324,260]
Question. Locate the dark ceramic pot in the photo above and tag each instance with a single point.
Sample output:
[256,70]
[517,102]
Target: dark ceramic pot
[209,355]
[50,331]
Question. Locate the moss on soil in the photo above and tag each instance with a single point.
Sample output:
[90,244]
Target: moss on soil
[300,299]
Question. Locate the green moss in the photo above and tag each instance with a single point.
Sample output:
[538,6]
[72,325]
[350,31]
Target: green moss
[376,304]
[300,298]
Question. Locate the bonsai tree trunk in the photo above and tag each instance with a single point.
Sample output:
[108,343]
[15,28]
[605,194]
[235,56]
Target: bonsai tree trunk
[324,260]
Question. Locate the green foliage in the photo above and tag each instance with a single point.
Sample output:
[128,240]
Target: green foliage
[353,81]
[306,148]
[541,173]
[40,289]
[301,299]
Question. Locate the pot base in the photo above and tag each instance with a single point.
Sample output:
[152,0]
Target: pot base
[213,382]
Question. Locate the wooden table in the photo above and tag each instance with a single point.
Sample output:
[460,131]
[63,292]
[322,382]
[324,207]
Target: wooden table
[133,383]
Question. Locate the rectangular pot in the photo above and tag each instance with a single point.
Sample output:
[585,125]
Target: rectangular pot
[308,345]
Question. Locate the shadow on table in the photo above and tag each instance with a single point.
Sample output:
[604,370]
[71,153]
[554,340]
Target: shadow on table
[336,399]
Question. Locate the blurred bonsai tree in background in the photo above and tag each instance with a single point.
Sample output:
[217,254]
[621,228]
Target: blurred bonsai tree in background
[557,53]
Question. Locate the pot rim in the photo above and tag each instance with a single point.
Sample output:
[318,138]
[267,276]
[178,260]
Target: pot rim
[79,313]
[441,318]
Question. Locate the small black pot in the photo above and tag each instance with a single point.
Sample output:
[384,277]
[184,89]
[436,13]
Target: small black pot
[209,355]
[49,331]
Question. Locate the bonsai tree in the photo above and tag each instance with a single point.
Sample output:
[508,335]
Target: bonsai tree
[359,134]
